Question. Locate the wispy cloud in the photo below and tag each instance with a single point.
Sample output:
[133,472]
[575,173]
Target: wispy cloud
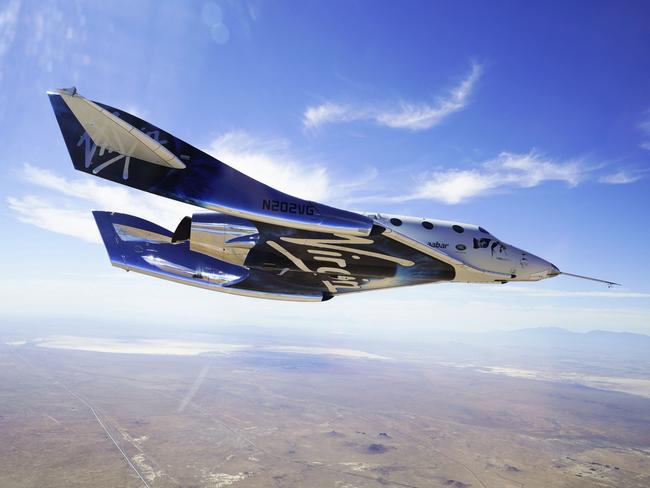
[506,171]
[65,209]
[54,35]
[645,130]
[401,115]
[270,161]
[622,177]
[40,212]
[537,292]
[8,20]
[65,205]
[332,113]
[509,171]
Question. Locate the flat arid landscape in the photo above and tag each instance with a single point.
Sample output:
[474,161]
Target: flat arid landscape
[533,408]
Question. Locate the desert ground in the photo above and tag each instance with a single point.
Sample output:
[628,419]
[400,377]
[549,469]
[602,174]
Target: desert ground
[86,412]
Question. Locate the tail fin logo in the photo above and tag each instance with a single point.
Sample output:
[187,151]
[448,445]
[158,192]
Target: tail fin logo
[90,150]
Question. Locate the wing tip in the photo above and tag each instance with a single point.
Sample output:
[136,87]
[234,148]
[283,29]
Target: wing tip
[72,91]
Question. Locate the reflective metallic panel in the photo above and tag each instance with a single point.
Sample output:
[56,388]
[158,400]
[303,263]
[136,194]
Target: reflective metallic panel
[223,237]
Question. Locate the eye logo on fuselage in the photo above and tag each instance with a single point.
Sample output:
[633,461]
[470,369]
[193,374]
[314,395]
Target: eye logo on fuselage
[496,246]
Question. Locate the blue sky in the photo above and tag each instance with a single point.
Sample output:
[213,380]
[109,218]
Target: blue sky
[533,121]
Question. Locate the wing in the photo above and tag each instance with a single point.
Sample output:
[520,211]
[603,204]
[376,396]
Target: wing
[233,255]
[135,244]
[112,144]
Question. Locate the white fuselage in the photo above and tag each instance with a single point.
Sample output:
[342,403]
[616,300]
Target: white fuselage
[483,254]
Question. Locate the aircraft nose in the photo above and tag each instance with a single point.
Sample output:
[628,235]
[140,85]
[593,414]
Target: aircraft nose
[540,268]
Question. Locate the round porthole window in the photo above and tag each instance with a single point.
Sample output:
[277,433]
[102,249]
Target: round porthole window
[427,225]
[396,222]
[458,228]
[461,247]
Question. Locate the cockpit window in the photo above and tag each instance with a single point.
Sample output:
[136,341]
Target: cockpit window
[427,225]
[458,228]
[481,229]
[396,222]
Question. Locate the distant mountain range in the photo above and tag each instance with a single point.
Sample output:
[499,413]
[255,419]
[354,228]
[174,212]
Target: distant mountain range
[556,336]
[554,341]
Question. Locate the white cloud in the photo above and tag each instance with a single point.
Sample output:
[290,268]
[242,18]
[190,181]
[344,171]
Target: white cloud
[8,20]
[37,211]
[51,34]
[331,113]
[49,38]
[424,116]
[65,209]
[622,177]
[645,129]
[507,171]
[403,115]
[539,292]
[454,186]
[269,161]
